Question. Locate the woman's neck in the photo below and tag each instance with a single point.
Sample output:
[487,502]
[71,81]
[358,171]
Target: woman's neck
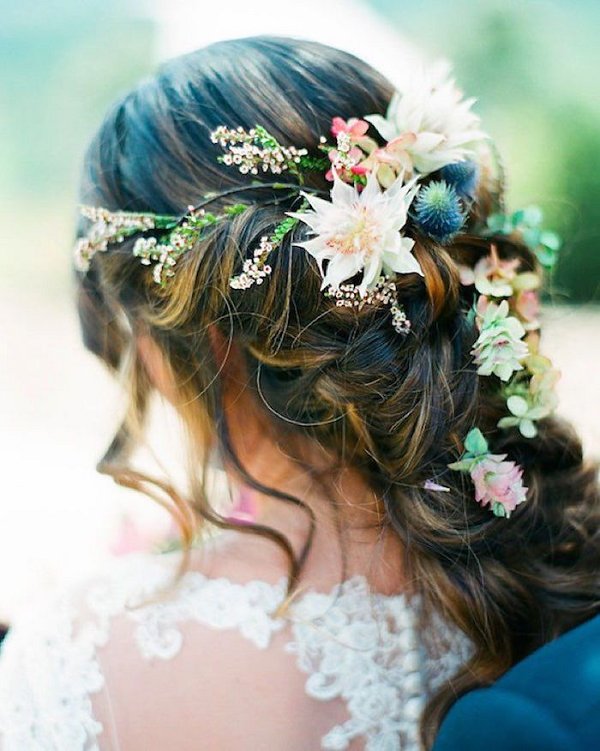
[351,536]
[349,518]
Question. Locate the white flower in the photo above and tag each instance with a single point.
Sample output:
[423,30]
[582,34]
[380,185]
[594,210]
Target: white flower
[361,232]
[432,108]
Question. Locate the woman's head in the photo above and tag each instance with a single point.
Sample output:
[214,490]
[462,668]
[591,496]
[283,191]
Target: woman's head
[394,408]
[318,369]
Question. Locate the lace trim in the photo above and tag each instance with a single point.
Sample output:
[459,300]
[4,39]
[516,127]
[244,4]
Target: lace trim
[365,650]
[353,644]
[49,667]
[48,676]
[218,603]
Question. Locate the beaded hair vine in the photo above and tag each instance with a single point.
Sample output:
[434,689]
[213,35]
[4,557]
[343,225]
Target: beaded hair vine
[415,170]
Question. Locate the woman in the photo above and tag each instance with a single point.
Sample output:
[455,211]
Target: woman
[316,273]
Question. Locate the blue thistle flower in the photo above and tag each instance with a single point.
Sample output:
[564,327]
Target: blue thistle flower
[462,176]
[438,211]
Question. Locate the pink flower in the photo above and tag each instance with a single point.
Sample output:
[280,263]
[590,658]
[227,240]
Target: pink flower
[394,153]
[467,275]
[389,161]
[355,128]
[344,163]
[498,484]
[354,154]
[481,306]
[494,276]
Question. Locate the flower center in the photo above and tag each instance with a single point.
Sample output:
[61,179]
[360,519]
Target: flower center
[360,236]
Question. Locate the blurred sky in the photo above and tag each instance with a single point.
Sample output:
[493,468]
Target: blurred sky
[533,67]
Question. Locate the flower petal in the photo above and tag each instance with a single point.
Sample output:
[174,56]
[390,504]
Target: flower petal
[342,193]
[403,261]
[385,128]
[371,273]
[341,268]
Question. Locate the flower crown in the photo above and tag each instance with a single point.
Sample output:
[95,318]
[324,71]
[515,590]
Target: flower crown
[422,180]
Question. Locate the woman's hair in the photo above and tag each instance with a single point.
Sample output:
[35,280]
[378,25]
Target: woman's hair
[394,408]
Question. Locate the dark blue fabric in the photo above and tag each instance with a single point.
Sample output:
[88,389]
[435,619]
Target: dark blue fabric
[548,702]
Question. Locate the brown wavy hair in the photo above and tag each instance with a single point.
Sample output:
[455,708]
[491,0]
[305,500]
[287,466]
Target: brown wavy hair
[394,408]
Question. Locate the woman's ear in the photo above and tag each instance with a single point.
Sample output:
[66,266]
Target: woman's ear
[228,358]
[158,371]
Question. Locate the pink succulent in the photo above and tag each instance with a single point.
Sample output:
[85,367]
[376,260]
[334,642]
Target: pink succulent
[494,276]
[394,153]
[498,484]
[481,306]
[527,306]
[389,161]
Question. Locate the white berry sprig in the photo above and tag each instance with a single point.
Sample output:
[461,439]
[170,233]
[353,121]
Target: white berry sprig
[255,150]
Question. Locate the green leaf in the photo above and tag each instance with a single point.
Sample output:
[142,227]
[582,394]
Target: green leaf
[508,422]
[499,510]
[532,216]
[464,465]
[498,223]
[517,217]
[235,209]
[517,405]
[546,257]
[471,315]
[537,413]
[282,229]
[531,236]
[475,443]
[527,428]
[265,138]
[315,164]
[551,240]
[165,222]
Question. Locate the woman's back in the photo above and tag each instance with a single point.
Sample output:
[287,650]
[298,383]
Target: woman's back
[134,662]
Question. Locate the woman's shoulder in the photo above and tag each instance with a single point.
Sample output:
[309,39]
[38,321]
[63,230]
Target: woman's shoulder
[76,654]
[143,587]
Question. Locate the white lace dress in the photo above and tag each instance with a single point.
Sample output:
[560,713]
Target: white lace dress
[350,647]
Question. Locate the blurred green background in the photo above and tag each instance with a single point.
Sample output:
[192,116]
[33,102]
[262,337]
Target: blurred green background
[532,65]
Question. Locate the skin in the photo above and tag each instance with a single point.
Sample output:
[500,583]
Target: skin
[369,550]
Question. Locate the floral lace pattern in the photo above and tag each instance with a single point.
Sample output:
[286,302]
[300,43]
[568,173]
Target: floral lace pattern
[363,648]
[353,644]
[49,668]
